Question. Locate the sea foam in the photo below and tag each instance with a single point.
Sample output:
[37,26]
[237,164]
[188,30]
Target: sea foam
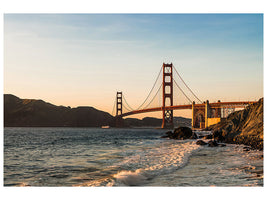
[153,162]
[130,178]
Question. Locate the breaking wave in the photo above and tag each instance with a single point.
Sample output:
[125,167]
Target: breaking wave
[145,164]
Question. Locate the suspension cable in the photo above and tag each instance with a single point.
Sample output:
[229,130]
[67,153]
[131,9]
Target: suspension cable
[187,85]
[126,108]
[182,91]
[127,103]
[153,97]
[150,90]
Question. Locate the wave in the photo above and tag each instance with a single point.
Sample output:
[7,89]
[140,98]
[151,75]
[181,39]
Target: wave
[131,178]
[147,163]
[158,161]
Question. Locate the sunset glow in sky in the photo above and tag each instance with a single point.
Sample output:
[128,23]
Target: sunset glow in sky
[84,59]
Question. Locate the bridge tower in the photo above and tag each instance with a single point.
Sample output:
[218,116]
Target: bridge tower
[119,121]
[167,96]
[119,103]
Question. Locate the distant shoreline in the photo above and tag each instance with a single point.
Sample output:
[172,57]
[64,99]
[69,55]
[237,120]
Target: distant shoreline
[82,127]
[38,113]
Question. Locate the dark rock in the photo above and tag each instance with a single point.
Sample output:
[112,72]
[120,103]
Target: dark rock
[169,133]
[182,133]
[194,136]
[246,148]
[207,137]
[212,143]
[217,135]
[221,145]
[201,142]
[164,136]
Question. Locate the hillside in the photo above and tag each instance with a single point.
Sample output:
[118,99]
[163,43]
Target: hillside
[37,113]
[156,122]
[242,127]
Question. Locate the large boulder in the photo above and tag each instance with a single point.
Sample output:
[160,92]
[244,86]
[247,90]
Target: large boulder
[201,142]
[218,136]
[207,137]
[194,136]
[167,134]
[212,143]
[182,133]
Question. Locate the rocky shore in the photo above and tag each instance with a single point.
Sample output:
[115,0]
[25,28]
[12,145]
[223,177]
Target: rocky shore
[183,133]
[180,133]
[241,127]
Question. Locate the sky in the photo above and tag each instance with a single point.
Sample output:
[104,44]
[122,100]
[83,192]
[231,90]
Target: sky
[84,59]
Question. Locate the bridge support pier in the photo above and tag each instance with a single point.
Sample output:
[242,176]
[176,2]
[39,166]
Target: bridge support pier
[167,97]
[207,113]
[218,111]
[193,114]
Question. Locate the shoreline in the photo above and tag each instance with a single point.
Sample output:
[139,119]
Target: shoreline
[242,127]
[221,167]
[165,162]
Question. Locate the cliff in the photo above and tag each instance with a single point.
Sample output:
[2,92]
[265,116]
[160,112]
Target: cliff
[242,127]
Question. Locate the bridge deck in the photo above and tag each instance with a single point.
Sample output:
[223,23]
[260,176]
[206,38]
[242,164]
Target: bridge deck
[235,104]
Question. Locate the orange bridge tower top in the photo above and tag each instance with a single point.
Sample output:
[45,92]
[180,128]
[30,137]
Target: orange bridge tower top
[167,96]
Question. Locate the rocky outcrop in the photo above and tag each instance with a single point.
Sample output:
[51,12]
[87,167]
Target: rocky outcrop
[201,142]
[242,127]
[180,133]
[210,143]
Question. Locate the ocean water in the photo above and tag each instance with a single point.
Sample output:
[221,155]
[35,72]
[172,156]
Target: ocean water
[122,157]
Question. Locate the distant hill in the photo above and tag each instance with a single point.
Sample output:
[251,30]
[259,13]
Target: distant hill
[155,122]
[38,113]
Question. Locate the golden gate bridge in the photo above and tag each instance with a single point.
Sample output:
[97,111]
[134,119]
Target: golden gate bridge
[167,94]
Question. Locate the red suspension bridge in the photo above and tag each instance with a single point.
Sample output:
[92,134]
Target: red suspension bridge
[167,94]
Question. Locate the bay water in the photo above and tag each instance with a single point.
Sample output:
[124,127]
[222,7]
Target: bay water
[122,157]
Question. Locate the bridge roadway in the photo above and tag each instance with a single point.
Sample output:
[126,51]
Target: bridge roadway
[233,104]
